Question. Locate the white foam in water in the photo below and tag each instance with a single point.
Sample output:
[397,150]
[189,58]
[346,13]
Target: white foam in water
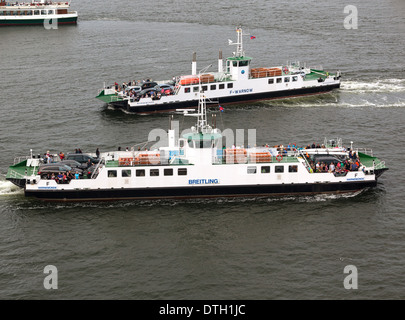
[7,188]
[378,86]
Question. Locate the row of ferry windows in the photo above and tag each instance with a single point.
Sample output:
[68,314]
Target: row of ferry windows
[142,172]
[183,171]
[230,85]
[277,169]
[286,79]
[212,87]
[26,12]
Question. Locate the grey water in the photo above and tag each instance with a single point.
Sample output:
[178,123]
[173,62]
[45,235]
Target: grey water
[259,248]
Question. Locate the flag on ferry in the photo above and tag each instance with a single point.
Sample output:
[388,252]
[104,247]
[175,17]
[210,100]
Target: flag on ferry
[252,37]
[221,109]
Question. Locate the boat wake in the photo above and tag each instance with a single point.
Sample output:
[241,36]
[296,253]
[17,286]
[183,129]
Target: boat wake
[377,86]
[7,188]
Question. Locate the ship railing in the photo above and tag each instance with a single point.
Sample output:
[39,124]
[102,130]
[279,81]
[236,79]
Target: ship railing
[96,169]
[16,175]
[380,165]
[307,164]
[21,158]
[365,151]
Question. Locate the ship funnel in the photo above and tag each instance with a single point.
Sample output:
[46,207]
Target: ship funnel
[220,62]
[194,65]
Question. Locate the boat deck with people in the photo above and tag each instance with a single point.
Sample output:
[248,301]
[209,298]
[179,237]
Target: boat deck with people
[236,82]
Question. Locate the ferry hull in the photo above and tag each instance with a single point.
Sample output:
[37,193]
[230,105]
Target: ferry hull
[200,192]
[234,99]
[34,22]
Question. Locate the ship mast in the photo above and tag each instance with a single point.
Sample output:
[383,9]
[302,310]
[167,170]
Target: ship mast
[239,44]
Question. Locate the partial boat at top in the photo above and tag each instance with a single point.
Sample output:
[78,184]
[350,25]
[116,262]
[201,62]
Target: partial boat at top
[237,82]
[42,12]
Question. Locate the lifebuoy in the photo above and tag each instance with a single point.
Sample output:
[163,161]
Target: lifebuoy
[279,157]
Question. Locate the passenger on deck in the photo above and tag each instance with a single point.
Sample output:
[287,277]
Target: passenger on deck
[313,146]
[61,156]
[77,175]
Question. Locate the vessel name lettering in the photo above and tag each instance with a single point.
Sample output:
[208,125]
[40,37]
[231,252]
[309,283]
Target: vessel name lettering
[354,179]
[240,91]
[46,187]
[203,181]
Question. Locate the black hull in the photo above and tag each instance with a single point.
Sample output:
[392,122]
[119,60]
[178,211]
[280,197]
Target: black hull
[18,182]
[200,192]
[235,99]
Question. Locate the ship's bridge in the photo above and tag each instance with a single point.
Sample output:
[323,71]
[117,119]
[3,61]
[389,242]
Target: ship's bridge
[200,147]
[238,67]
[199,140]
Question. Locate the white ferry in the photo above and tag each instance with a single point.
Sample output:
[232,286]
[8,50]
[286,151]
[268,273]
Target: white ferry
[237,82]
[36,13]
[197,165]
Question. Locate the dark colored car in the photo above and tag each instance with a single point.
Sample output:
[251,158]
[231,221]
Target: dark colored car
[328,159]
[164,86]
[74,164]
[148,84]
[56,168]
[81,157]
[148,92]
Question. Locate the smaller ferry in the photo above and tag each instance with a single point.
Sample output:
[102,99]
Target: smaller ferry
[235,82]
[39,12]
[197,165]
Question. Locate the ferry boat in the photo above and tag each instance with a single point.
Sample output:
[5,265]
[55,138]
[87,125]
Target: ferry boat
[36,13]
[197,165]
[235,83]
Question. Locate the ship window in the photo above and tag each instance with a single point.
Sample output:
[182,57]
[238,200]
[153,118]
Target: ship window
[251,170]
[292,168]
[235,63]
[265,169]
[279,169]
[112,173]
[295,78]
[221,86]
[182,171]
[36,12]
[126,173]
[204,88]
[287,79]
[168,172]
[50,11]
[187,90]
[243,63]
[43,11]
[154,172]
[271,81]
[140,173]
[213,87]
[196,89]
[230,85]
[279,80]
